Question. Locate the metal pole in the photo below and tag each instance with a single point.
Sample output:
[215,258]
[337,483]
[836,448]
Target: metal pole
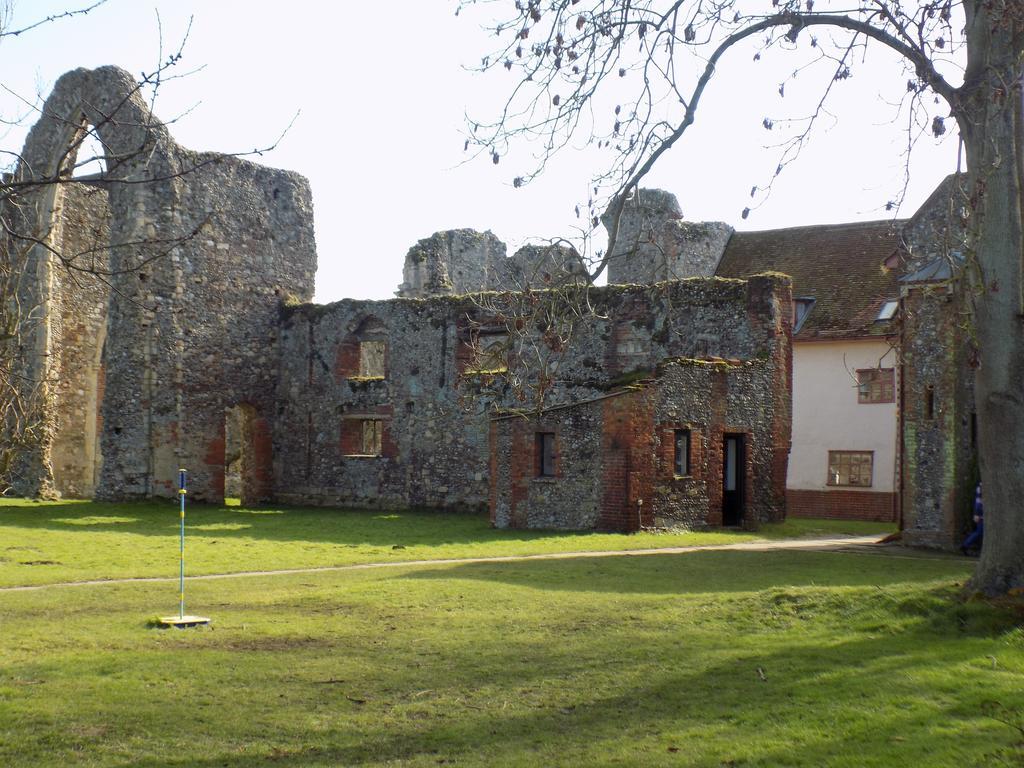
[181,564]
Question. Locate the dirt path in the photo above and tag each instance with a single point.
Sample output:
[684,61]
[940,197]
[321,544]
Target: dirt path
[840,544]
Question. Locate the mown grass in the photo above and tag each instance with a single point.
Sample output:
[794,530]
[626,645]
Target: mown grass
[44,543]
[704,659]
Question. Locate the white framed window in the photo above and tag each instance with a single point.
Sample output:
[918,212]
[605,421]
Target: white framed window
[876,385]
[850,468]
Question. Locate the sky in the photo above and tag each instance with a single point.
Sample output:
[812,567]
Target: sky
[377,96]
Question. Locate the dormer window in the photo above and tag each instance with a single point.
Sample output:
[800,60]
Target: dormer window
[888,310]
[801,309]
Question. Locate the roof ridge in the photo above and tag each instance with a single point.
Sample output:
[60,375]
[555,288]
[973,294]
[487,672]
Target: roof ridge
[894,223]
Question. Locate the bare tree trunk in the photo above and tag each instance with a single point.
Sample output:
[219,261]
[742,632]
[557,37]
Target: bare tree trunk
[992,124]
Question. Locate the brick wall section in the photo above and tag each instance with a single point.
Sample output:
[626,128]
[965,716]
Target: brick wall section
[712,400]
[842,505]
[628,457]
[346,361]
[633,460]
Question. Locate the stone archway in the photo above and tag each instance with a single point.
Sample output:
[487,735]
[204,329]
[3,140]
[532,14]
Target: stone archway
[89,236]
[201,249]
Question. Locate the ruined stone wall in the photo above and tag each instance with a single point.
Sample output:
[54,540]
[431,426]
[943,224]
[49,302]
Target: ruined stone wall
[615,456]
[654,243]
[936,231]
[78,320]
[433,411]
[461,261]
[712,400]
[541,266]
[202,250]
[573,499]
[938,417]
[207,336]
[939,468]
[456,261]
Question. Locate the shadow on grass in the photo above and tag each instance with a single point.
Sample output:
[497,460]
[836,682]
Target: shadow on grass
[343,527]
[703,572]
[805,704]
[337,526]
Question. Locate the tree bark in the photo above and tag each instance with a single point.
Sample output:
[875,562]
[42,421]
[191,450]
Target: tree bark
[992,125]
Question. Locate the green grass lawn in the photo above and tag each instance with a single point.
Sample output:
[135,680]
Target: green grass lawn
[43,543]
[780,658]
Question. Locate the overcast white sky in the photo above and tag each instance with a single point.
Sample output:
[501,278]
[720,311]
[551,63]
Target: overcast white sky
[381,92]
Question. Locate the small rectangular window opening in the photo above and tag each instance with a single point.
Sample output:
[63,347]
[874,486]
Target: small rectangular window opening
[491,353]
[682,453]
[545,454]
[371,359]
[372,436]
[929,402]
[974,430]
[850,468]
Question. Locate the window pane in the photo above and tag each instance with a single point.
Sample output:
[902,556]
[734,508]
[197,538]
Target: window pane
[730,464]
[850,468]
[876,385]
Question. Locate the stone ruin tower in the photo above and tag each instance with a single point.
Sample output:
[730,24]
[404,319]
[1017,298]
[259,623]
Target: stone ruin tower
[456,261]
[461,261]
[169,314]
[655,244]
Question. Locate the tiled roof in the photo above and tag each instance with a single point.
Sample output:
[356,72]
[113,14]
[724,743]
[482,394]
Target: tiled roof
[841,266]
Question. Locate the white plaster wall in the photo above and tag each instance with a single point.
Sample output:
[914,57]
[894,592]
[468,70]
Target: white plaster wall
[827,416]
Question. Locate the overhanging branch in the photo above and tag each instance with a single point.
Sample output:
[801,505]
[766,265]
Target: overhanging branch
[922,65]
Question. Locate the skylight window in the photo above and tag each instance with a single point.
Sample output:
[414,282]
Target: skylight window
[888,310]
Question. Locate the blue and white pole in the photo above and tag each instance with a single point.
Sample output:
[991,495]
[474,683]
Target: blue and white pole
[181,564]
[181,620]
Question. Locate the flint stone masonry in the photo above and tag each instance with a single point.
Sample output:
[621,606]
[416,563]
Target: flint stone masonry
[615,460]
[78,327]
[434,412]
[202,248]
[653,242]
[458,261]
[196,349]
[939,464]
[542,266]
[939,448]
[461,261]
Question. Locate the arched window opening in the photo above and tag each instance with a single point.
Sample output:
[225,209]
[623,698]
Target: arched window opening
[87,157]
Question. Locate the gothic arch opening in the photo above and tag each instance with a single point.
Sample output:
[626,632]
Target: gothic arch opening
[76,299]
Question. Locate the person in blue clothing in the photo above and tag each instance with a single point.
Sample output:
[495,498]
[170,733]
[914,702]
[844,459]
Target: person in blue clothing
[978,533]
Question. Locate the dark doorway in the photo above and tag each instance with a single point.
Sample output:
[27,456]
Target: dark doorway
[734,473]
[247,469]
